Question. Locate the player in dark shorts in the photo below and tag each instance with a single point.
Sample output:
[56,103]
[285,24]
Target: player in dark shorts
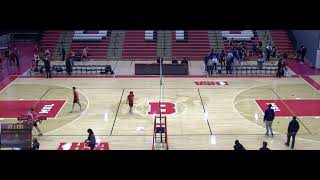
[34,123]
[130,100]
[75,99]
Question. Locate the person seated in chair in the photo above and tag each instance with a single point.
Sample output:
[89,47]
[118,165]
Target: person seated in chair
[174,61]
[184,61]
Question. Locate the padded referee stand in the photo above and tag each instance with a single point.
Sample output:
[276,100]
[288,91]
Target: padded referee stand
[160,136]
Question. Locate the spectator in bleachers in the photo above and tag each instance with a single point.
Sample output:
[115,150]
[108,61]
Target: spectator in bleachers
[36,48]
[1,59]
[222,58]
[184,61]
[36,58]
[47,53]
[16,55]
[260,61]
[238,146]
[254,49]
[6,55]
[240,54]
[210,54]
[175,61]
[231,43]
[84,54]
[264,146]
[274,51]
[268,52]
[11,57]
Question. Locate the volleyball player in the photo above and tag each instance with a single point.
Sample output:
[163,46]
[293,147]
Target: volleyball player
[75,99]
[130,100]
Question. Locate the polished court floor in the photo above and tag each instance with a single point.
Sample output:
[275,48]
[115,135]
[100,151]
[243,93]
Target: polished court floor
[207,115]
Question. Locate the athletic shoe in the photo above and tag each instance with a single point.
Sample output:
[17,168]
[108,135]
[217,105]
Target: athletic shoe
[287,144]
[40,134]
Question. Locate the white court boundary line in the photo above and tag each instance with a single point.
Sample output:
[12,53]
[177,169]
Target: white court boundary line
[64,103]
[310,84]
[9,83]
[258,124]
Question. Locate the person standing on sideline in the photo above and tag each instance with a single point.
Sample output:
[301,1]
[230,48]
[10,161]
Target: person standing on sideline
[293,128]
[238,146]
[303,51]
[281,68]
[63,53]
[268,119]
[91,141]
[210,66]
[47,66]
[16,55]
[264,147]
[75,99]
[130,100]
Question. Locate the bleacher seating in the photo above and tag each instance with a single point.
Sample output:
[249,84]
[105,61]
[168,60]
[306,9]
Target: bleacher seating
[80,69]
[180,35]
[194,45]
[245,35]
[150,35]
[82,36]
[136,47]
[50,39]
[96,41]
[252,70]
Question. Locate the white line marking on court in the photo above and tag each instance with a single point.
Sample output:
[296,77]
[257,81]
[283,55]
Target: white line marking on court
[65,102]
[258,124]
[9,83]
[310,84]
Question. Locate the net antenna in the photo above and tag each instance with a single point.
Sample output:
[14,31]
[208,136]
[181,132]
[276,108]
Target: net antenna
[161,87]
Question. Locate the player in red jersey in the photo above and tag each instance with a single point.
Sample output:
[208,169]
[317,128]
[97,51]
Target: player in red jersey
[75,99]
[130,100]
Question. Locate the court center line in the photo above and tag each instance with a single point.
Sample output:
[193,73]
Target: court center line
[204,110]
[290,110]
[115,117]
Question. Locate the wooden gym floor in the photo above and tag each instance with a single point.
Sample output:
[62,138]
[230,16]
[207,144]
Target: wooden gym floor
[207,116]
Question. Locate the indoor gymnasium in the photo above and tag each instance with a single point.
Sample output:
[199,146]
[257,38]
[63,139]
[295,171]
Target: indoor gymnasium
[159,89]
